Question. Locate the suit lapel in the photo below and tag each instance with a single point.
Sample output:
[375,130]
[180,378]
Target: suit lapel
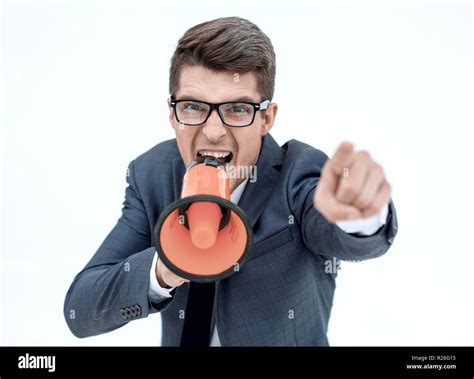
[179,169]
[257,194]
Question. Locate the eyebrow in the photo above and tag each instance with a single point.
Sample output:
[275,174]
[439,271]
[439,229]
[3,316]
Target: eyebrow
[236,100]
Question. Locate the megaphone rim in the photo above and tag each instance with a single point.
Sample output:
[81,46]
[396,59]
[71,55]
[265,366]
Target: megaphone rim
[187,201]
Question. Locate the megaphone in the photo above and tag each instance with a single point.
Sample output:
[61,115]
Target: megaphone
[203,236]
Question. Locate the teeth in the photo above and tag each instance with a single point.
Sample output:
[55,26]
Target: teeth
[217,154]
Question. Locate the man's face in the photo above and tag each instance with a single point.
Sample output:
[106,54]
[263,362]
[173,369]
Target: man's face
[214,136]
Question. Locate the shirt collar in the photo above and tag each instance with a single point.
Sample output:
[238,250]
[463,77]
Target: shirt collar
[237,193]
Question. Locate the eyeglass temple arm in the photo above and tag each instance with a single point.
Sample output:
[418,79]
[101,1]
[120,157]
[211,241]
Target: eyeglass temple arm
[263,105]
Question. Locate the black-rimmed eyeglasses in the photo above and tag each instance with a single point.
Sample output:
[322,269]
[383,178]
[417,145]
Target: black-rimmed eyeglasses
[236,114]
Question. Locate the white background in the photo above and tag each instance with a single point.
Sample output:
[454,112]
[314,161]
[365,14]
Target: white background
[84,92]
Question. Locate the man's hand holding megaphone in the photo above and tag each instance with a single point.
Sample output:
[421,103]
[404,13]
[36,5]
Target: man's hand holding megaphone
[352,186]
[167,278]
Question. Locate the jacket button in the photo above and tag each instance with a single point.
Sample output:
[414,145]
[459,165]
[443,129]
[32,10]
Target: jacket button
[138,309]
[133,311]
[127,312]
[123,314]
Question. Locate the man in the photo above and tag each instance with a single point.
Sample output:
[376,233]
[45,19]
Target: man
[304,209]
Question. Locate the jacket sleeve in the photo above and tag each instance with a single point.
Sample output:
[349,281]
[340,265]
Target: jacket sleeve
[113,287]
[319,235]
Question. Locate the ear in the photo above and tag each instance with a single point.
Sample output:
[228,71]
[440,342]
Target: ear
[268,118]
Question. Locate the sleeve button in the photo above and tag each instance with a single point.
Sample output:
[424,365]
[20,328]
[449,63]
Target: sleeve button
[138,309]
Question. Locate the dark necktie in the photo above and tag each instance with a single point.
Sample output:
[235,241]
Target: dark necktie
[198,315]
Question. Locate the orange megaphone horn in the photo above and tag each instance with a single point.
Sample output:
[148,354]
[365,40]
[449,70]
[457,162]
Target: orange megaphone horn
[203,236]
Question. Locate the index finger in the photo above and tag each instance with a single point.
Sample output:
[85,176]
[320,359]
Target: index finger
[342,157]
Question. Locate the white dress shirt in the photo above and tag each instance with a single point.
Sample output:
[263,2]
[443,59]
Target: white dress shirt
[364,227]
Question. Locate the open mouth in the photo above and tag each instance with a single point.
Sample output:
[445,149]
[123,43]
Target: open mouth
[224,157]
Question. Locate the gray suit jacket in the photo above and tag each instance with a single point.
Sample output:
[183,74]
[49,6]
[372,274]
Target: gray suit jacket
[281,295]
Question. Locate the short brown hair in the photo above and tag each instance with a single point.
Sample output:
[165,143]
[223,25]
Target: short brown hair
[226,44]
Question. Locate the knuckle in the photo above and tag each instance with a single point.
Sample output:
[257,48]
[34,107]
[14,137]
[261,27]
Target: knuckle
[374,208]
[362,202]
[364,154]
[378,169]
[349,190]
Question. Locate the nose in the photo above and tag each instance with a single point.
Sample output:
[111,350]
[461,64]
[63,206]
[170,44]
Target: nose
[214,129]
